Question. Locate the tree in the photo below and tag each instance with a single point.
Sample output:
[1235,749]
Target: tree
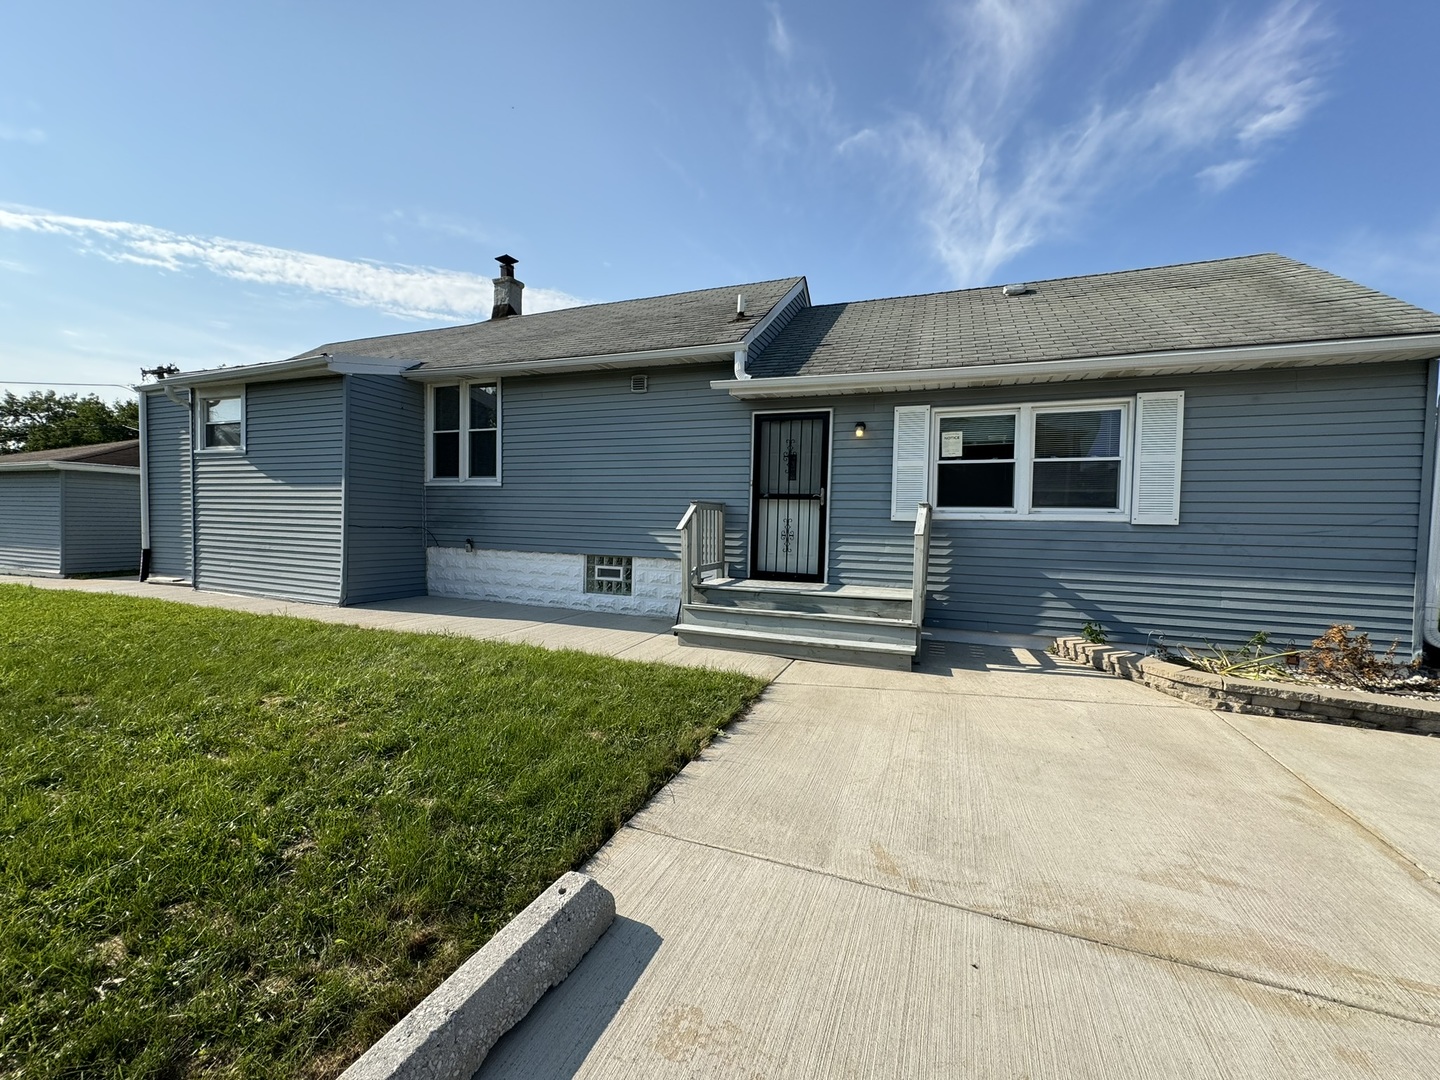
[45,420]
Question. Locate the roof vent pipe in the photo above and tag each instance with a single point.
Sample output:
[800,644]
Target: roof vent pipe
[740,306]
[507,289]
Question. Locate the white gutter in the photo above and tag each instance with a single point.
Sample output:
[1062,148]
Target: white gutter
[1172,362]
[695,354]
[291,369]
[68,466]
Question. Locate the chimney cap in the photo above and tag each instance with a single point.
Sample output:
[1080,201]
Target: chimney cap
[507,265]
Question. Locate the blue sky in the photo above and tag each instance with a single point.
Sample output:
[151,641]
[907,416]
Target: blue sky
[205,184]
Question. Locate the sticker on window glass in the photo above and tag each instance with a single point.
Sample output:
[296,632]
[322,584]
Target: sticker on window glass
[952,444]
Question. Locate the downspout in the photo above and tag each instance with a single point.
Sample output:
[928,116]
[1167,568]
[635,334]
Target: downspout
[740,372]
[1430,584]
[144,490]
[346,386]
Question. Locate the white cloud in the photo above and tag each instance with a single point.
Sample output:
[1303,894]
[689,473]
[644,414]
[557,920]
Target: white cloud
[10,133]
[1221,176]
[409,291]
[779,36]
[995,179]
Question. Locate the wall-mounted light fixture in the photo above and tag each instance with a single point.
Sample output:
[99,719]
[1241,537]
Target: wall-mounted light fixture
[469,544]
[860,429]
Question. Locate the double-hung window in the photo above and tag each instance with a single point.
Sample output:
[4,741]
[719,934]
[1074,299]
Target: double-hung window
[464,429]
[222,420]
[1041,460]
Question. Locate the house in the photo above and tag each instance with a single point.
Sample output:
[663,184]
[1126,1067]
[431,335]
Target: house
[71,511]
[1192,452]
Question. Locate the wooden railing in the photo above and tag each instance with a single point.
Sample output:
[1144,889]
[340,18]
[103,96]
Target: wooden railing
[922,564]
[702,545]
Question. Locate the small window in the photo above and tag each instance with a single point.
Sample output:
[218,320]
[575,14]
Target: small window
[445,460]
[609,574]
[222,420]
[1077,460]
[484,427]
[464,427]
[977,462]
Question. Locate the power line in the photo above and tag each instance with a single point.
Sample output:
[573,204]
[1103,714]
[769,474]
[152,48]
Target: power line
[27,382]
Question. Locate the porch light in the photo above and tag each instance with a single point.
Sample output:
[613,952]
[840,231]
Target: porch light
[860,429]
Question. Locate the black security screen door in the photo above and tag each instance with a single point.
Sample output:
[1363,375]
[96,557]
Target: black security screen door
[791,463]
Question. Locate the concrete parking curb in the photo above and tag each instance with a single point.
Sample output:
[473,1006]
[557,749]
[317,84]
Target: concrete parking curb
[449,1033]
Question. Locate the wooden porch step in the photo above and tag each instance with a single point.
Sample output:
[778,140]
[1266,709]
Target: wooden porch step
[807,624]
[860,600]
[797,647]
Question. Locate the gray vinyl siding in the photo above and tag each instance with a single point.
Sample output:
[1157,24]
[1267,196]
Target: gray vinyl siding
[1301,507]
[588,467]
[268,518]
[384,484]
[30,522]
[167,465]
[101,521]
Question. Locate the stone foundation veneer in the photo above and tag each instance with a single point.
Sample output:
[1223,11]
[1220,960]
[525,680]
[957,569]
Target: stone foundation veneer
[544,580]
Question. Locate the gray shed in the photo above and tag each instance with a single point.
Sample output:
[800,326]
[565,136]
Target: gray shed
[71,511]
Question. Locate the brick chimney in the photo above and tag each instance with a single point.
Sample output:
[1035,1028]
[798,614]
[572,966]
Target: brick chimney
[507,289]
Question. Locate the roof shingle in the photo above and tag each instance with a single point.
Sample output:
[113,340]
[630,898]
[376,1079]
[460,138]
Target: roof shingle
[680,320]
[124,452]
[1252,300]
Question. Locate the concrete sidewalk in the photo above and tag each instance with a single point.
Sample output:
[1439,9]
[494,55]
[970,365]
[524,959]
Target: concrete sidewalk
[1005,867]
[628,636]
[996,866]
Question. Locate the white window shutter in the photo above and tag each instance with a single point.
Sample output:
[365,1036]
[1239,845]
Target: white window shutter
[1159,433]
[910,476]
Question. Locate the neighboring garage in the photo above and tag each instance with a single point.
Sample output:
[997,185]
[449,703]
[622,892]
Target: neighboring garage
[71,511]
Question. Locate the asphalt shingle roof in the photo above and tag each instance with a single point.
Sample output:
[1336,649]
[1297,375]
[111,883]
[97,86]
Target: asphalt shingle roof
[680,320]
[1253,300]
[125,452]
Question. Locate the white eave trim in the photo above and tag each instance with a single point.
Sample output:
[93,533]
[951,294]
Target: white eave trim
[690,354]
[68,466]
[1177,362]
[302,367]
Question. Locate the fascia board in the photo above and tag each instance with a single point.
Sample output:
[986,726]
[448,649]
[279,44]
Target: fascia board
[68,466]
[269,372]
[1178,362]
[693,354]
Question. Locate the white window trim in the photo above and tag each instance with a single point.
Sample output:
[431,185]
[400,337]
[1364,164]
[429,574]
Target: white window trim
[216,392]
[1025,460]
[464,478]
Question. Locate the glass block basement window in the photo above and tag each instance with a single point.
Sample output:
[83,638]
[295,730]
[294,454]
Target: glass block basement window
[608,574]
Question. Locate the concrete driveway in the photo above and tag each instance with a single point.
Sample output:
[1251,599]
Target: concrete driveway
[997,866]
[1005,867]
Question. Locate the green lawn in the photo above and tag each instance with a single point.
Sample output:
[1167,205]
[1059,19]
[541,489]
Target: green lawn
[245,845]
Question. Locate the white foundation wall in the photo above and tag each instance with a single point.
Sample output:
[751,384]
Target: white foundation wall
[546,580]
